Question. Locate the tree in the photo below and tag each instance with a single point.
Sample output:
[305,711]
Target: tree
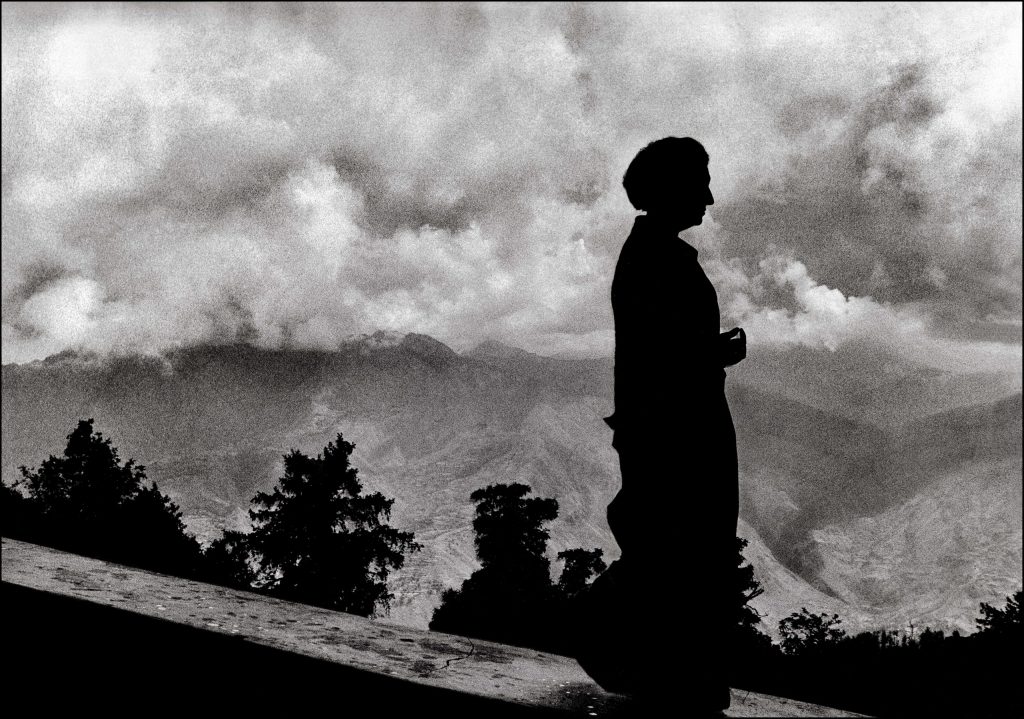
[87,481]
[1001,622]
[746,588]
[318,539]
[88,501]
[749,640]
[509,527]
[228,561]
[806,633]
[581,565]
[511,598]
[17,514]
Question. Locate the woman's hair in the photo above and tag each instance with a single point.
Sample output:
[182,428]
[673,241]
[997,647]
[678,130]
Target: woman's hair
[660,165]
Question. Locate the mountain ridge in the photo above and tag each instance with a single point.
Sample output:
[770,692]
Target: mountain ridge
[431,425]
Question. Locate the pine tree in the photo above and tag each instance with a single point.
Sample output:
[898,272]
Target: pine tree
[1001,622]
[748,640]
[319,540]
[227,561]
[88,501]
[747,588]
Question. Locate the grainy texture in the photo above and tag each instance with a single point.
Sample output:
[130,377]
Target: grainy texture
[517,676]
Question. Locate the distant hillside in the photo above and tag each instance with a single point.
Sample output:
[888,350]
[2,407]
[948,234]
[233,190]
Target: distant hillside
[211,423]
[871,384]
[932,559]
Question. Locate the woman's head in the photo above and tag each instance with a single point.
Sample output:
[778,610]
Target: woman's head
[669,178]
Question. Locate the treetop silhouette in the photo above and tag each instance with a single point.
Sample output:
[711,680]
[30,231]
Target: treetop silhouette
[88,501]
[805,632]
[581,565]
[1001,622]
[320,540]
[509,525]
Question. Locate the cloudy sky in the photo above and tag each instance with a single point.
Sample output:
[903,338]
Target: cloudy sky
[292,175]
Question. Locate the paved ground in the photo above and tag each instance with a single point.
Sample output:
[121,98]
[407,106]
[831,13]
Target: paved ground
[517,676]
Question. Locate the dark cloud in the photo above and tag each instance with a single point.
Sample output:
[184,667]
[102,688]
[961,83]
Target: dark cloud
[36,277]
[898,205]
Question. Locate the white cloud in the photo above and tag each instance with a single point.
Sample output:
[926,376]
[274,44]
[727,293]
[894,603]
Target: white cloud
[302,175]
[811,314]
[62,315]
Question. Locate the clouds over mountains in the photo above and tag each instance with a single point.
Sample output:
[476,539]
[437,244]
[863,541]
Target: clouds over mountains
[291,175]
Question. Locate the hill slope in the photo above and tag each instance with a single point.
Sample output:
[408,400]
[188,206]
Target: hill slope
[430,426]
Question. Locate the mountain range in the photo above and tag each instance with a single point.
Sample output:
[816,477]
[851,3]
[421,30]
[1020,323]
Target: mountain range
[885,515]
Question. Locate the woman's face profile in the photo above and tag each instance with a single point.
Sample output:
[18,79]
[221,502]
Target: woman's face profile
[686,200]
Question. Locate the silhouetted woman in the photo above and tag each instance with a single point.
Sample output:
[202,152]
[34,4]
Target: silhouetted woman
[660,618]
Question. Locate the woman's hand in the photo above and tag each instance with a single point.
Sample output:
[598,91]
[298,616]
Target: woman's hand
[732,346]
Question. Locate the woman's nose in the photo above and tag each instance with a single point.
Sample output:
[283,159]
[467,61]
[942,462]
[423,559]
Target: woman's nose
[710,198]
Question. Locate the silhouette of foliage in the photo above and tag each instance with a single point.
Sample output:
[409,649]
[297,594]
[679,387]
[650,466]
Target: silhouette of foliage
[911,672]
[88,501]
[510,527]
[228,561]
[511,598]
[581,566]
[748,641]
[803,632]
[747,588]
[1005,622]
[17,513]
[318,539]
